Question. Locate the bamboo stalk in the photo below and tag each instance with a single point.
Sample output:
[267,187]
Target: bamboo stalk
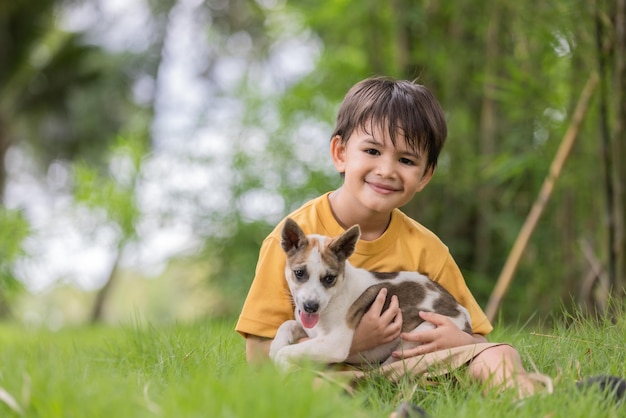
[506,276]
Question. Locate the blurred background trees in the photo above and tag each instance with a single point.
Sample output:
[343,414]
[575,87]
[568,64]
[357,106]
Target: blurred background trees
[195,126]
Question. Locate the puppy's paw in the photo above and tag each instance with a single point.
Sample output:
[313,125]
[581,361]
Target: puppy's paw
[283,362]
[288,333]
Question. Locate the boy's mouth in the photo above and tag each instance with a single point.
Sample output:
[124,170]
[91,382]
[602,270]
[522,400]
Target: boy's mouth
[381,188]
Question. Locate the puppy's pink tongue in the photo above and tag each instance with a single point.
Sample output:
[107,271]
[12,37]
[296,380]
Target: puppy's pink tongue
[309,320]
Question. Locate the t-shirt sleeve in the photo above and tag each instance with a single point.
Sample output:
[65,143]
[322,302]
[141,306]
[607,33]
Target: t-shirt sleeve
[268,303]
[451,278]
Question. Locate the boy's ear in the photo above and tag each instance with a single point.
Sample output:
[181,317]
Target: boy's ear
[338,153]
[428,174]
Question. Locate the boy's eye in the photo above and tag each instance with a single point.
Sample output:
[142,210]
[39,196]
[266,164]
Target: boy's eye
[372,151]
[406,161]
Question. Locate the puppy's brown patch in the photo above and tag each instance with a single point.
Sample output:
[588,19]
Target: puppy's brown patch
[334,266]
[448,306]
[300,258]
[384,275]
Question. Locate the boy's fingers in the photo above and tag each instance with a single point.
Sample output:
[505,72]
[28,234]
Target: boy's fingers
[395,303]
[411,352]
[397,325]
[393,310]
[422,349]
[379,302]
[398,316]
[414,337]
[433,318]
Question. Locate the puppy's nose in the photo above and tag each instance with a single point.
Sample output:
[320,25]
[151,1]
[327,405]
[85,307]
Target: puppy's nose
[311,306]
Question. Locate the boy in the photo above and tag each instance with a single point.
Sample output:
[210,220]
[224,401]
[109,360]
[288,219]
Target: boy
[385,146]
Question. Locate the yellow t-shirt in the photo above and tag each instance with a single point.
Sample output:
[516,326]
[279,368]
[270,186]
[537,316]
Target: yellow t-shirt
[405,246]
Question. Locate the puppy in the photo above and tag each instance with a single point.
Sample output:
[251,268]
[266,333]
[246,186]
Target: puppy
[331,296]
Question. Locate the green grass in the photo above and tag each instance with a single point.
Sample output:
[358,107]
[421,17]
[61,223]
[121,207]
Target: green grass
[199,370]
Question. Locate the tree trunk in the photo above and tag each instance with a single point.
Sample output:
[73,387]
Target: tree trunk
[5,142]
[604,117]
[482,255]
[619,150]
[104,293]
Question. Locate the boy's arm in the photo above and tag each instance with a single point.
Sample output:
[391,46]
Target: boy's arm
[257,349]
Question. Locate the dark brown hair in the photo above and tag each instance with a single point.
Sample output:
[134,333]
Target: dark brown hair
[399,106]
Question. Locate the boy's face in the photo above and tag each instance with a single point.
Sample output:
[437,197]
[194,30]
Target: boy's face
[378,174]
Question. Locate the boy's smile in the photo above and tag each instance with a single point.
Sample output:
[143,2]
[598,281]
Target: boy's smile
[378,176]
[382,188]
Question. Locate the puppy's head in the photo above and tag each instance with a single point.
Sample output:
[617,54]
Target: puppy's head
[315,268]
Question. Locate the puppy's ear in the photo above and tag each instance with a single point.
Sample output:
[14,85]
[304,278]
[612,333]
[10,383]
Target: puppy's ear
[292,236]
[345,244]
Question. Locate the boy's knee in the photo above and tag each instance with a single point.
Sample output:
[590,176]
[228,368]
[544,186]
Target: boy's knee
[494,358]
[501,353]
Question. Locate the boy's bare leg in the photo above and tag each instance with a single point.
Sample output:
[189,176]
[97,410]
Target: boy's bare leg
[501,368]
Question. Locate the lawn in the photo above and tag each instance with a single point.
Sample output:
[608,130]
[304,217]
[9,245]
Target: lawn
[199,370]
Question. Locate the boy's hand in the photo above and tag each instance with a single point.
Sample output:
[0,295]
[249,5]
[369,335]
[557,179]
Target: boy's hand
[445,335]
[378,327]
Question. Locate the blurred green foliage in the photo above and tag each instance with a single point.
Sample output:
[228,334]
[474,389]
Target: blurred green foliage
[113,191]
[507,73]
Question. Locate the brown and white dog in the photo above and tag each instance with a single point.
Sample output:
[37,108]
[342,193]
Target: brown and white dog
[331,296]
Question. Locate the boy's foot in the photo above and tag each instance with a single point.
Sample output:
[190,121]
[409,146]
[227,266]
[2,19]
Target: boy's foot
[540,384]
[409,410]
[611,385]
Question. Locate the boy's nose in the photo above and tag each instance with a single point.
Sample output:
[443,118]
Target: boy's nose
[386,167]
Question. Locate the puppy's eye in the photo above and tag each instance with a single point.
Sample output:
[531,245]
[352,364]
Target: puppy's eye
[299,274]
[329,280]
